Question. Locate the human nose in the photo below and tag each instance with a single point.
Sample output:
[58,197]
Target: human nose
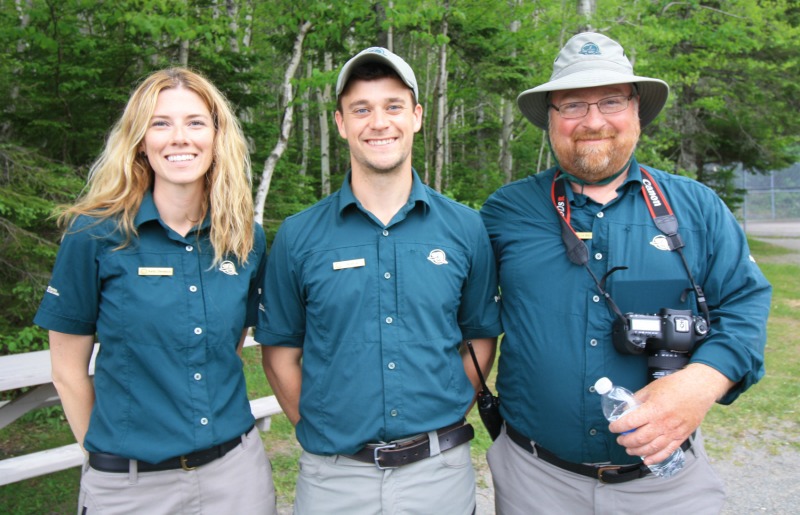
[379,119]
[594,116]
[178,134]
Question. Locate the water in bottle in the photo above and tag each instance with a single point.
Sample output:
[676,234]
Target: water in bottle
[616,402]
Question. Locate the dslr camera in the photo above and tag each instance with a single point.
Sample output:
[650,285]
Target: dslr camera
[667,337]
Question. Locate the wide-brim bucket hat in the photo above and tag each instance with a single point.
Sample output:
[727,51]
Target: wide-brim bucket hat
[588,60]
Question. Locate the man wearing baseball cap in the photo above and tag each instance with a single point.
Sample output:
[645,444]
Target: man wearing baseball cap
[368,297]
[588,253]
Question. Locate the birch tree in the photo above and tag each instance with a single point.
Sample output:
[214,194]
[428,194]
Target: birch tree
[286,125]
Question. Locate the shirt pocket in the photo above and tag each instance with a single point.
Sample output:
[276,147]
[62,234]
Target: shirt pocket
[430,281]
[341,294]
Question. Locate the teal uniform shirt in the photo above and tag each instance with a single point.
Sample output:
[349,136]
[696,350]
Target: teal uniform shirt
[167,379]
[380,313]
[557,326]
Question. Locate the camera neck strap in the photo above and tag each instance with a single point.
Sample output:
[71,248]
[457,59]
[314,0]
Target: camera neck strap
[663,217]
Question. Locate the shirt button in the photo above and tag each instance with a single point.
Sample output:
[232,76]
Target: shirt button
[391,366]
[389,320]
[387,275]
[593,432]
[598,256]
[189,248]
[591,389]
[204,421]
[197,330]
[192,288]
[393,413]
[600,214]
[198,376]
[593,342]
[385,232]
[596,298]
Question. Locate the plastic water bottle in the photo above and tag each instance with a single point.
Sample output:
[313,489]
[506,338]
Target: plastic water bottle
[616,402]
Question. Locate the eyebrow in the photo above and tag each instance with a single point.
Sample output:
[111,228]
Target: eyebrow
[392,100]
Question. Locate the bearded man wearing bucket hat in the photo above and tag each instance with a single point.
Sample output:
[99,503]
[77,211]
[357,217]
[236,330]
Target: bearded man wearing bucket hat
[583,249]
[368,296]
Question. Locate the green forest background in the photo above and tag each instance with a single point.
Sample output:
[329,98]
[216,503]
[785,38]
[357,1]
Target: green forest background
[68,66]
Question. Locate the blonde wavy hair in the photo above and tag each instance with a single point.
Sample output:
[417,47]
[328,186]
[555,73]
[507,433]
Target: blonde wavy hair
[121,175]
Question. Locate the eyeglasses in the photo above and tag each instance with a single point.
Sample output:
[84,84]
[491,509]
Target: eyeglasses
[610,105]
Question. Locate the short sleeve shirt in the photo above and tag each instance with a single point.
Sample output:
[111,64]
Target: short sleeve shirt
[557,325]
[380,313]
[167,379]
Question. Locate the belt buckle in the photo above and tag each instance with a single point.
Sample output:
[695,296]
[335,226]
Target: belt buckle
[605,468]
[184,466]
[380,448]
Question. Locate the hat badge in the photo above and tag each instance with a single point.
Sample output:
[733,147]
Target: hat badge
[590,49]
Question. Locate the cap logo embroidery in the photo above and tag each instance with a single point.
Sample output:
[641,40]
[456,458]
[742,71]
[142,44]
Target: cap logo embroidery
[590,49]
[437,257]
[660,242]
[227,267]
[376,50]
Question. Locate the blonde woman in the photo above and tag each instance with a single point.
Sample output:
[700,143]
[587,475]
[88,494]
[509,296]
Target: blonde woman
[162,261]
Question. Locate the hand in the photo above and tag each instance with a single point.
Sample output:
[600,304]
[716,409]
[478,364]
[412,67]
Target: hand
[672,408]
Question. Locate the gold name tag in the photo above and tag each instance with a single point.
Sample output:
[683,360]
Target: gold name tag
[152,270]
[352,263]
[584,235]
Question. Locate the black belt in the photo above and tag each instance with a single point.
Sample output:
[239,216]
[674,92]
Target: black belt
[112,463]
[411,450]
[603,473]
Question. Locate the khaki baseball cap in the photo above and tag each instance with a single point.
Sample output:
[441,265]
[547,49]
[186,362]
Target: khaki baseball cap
[383,56]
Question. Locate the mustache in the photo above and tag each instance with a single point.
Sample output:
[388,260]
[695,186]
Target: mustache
[590,135]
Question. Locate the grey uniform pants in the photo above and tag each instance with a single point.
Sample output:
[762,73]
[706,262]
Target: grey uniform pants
[239,482]
[527,485]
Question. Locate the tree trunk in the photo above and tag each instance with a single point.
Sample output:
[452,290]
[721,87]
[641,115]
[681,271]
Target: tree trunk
[441,108]
[586,9]
[324,97]
[286,125]
[306,123]
[506,134]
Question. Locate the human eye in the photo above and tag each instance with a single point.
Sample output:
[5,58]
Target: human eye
[612,103]
[360,111]
[571,108]
[158,123]
[395,108]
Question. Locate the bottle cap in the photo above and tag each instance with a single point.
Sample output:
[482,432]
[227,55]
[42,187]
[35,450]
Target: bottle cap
[603,385]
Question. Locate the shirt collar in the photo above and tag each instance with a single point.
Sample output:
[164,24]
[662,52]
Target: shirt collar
[148,212]
[419,194]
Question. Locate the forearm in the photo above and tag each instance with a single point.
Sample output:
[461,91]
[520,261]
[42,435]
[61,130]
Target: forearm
[484,351]
[70,356]
[283,368]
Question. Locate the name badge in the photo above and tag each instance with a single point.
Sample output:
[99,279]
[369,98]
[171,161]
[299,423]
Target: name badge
[584,235]
[152,270]
[351,263]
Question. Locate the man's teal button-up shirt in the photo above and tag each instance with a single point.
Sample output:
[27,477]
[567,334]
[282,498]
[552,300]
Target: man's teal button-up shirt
[380,312]
[557,325]
[167,379]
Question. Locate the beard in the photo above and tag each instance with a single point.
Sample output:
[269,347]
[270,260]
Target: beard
[597,161]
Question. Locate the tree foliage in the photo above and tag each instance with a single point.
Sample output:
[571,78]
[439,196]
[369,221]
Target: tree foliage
[68,66]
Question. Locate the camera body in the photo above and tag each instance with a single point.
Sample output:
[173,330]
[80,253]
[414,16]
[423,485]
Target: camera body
[667,337]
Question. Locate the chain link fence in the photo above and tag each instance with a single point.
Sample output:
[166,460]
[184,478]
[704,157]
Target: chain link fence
[771,196]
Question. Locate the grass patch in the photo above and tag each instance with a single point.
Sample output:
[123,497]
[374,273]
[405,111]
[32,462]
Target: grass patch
[765,415]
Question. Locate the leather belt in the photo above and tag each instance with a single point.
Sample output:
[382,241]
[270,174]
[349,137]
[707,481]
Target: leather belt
[411,450]
[604,473]
[112,463]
